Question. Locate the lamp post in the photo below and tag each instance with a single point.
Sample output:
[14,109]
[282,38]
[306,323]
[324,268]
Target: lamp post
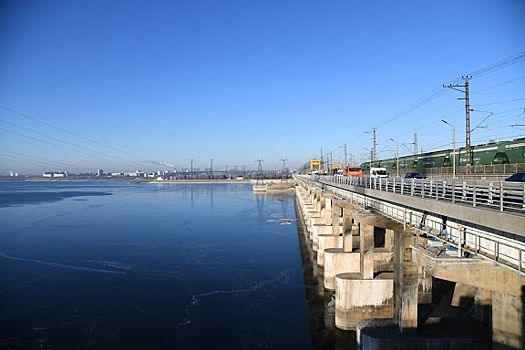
[397,156]
[454,143]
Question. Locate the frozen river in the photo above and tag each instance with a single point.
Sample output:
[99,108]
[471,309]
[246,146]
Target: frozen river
[110,265]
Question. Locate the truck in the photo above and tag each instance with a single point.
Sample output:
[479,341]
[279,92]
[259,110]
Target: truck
[353,171]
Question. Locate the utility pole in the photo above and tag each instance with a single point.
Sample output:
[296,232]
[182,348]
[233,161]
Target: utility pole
[467,116]
[415,144]
[454,143]
[374,146]
[344,148]
[329,166]
[321,166]
[397,156]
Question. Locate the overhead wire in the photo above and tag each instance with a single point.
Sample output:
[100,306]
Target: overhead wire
[37,160]
[69,132]
[499,65]
[434,94]
[440,91]
[57,145]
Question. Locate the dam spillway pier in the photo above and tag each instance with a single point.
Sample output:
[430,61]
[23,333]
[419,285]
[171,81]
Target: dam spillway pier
[397,285]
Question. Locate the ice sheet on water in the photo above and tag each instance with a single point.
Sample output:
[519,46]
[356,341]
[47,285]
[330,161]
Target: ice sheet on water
[11,199]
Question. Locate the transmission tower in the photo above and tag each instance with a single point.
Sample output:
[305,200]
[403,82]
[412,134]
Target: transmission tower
[260,177]
[211,168]
[467,116]
[191,167]
[283,170]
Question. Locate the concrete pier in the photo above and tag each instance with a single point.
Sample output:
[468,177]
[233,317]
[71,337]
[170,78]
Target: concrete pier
[358,298]
[356,248]
[398,288]
[370,292]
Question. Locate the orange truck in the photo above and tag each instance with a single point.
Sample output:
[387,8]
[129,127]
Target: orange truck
[353,170]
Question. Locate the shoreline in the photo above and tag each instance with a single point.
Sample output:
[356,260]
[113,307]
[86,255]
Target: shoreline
[197,181]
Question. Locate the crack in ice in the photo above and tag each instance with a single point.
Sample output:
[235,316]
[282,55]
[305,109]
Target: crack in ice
[282,276]
[62,266]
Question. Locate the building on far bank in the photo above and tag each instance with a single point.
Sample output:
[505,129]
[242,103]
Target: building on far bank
[53,174]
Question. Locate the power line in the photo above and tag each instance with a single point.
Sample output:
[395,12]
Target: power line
[69,132]
[497,103]
[56,145]
[37,160]
[499,65]
[439,91]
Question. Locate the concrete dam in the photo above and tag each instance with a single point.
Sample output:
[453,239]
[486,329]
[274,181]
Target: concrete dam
[413,270]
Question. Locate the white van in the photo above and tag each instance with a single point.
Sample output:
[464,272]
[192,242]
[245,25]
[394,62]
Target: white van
[378,172]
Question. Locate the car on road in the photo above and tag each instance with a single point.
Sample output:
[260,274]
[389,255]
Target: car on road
[518,177]
[415,175]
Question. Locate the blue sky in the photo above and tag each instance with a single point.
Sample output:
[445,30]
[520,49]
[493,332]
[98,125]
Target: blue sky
[127,85]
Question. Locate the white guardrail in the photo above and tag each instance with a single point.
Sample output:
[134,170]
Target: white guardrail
[496,194]
[464,240]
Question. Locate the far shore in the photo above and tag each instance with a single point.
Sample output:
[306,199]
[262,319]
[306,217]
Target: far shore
[155,181]
[219,181]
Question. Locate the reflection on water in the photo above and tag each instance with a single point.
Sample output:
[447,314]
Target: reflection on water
[149,266]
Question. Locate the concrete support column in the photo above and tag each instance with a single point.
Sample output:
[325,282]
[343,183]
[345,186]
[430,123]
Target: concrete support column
[366,234]
[389,240]
[328,211]
[348,230]
[424,286]
[483,311]
[357,299]
[405,283]
[508,321]
[337,212]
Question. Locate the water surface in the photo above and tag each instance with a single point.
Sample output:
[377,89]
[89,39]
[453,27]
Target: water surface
[109,265]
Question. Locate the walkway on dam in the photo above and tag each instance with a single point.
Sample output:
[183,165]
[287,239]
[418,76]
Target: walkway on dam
[410,268]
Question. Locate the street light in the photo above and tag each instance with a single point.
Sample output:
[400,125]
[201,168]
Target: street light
[454,143]
[397,156]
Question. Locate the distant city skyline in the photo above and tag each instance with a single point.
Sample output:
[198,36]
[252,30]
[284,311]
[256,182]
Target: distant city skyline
[127,86]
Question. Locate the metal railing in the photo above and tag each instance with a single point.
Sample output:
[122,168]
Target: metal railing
[499,195]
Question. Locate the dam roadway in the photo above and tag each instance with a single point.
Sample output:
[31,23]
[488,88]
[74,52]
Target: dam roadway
[420,264]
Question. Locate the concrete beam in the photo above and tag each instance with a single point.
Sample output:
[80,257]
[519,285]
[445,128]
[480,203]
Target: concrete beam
[472,271]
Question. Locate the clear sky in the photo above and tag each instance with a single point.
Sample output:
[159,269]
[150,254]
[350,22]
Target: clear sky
[125,85]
